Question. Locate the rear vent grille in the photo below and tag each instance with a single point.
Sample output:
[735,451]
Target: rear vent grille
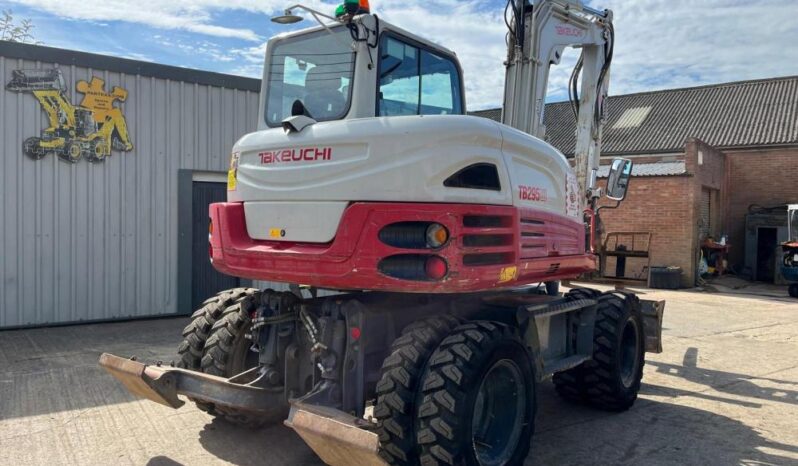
[529,221]
[549,236]
[488,240]
[476,241]
[486,221]
[533,238]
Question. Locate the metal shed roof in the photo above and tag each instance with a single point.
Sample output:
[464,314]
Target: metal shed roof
[650,169]
[64,57]
[731,115]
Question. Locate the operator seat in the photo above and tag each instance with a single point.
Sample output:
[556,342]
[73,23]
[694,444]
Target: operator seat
[323,97]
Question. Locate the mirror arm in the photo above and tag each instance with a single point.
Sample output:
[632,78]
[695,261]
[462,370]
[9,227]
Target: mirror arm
[617,203]
[316,14]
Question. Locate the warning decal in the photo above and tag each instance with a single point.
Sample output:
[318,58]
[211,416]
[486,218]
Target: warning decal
[571,195]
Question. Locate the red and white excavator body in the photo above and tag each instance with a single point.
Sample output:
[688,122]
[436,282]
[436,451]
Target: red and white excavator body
[365,174]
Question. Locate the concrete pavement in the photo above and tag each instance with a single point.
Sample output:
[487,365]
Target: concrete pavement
[725,391]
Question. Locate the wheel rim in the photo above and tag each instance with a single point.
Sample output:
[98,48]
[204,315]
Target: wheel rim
[630,347]
[498,418]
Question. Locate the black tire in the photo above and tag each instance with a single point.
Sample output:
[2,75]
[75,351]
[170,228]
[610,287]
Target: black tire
[195,334]
[583,293]
[398,387]
[793,290]
[227,353]
[611,380]
[457,402]
[227,349]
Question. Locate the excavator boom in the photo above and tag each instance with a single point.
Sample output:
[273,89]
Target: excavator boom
[539,33]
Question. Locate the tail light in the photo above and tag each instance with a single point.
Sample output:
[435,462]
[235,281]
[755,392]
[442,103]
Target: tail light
[418,267]
[437,235]
[414,235]
[436,268]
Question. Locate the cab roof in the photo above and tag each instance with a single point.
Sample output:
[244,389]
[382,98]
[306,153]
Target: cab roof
[383,25]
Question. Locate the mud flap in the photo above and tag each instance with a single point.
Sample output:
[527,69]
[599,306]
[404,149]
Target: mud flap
[652,322]
[338,438]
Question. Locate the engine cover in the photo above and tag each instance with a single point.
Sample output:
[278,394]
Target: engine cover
[391,159]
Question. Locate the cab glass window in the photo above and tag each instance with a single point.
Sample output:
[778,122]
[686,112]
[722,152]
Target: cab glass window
[315,70]
[415,81]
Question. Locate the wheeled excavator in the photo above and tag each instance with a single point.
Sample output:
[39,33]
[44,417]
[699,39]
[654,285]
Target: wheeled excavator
[442,235]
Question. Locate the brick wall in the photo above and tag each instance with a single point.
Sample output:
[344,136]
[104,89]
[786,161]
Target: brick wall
[761,176]
[669,206]
[706,162]
[709,168]
[658,205]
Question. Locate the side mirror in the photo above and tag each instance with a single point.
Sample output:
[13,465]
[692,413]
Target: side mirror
[618,180]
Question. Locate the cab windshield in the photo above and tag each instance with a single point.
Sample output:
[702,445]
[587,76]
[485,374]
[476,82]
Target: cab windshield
[793,230]
[315,70]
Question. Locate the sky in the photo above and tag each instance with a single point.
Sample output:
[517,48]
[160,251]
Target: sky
[660,44]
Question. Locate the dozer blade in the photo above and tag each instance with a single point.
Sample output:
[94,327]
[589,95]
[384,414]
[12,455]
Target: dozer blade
[337,437]
[142,380]
[163,384]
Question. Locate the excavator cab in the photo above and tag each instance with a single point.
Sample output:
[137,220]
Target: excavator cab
[328,73]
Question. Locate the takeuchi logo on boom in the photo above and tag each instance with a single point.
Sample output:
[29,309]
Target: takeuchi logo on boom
[569,31]
[307,154]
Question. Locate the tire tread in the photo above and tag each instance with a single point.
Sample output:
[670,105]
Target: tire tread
[594,382]
[451,368]
[397,389]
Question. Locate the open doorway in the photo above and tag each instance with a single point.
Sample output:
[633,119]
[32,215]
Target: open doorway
[205,280]
[197,279]
[766,239]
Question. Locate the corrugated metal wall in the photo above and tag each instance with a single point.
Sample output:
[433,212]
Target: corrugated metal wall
[99,241]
